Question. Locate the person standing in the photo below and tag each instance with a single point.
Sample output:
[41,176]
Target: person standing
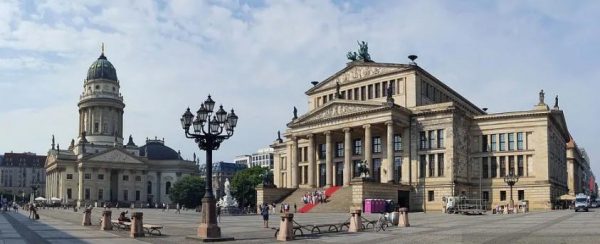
[219,214]
[295,208]
[264,211]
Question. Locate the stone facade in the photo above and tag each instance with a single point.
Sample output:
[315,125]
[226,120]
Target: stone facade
[423,135]
[98,167]
[19,172]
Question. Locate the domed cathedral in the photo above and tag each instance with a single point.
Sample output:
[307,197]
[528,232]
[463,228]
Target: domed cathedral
[98,166]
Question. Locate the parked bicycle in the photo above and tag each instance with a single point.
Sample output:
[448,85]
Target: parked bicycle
[382,223]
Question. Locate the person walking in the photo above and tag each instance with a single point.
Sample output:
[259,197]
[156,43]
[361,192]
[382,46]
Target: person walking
[295,208]
[264,211]
[178,209]
[219,214]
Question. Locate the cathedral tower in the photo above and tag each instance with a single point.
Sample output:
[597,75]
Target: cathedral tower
[101,105]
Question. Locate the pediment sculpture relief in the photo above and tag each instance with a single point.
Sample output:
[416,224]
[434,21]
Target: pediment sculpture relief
[358,73]
[115,156]
[337,110]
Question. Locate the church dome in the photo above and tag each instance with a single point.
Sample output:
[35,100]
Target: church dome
[156,150]
[102,69]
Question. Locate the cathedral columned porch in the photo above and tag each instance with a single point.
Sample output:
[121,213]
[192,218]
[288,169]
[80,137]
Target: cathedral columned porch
[324,147]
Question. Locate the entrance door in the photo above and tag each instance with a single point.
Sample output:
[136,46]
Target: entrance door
[114,186]
[339,173]
[403,199]
[322,175]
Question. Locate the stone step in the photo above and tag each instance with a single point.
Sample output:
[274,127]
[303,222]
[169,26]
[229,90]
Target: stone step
[339,202]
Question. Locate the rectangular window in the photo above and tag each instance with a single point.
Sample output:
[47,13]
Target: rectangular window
[87,193]
[484,143]
[356,93]
[69,176]
[484,167]
[397,143]
[355,165]
[486,196]
[502,195]
[370,92]
[330,97]
[393,85]
[96,127]
[440,164]
[520,165]
[324,99]
[343,94]
[339,149]
[422,140]
[87,176]
[377,169]
[101,176]
[377,90]
[511,141]
[100,194]
[125,177]
[362,93]
[138,178]
[377,144]
[521,194]
[431,139]
[520,141]
[431,165]
[440,138]
[397,169]
[357,147]
[384,88]
[502,141]
[430,196]
[126,195]
[502,166]
[494,167]
[137,195]
[511,164]
[493,146]
[350,97]
[422,164]
[69,193]
[322,151]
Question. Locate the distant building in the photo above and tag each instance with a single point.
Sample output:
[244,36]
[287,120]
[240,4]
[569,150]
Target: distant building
[20,171]
[243,159]
[221,172]
[263,158]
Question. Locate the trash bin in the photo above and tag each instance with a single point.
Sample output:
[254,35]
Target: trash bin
[394,217]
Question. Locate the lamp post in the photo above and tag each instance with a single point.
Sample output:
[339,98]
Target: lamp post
[209,138]
[511,179]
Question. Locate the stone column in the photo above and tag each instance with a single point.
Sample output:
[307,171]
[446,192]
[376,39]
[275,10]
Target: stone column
[347,155]
[328,160]
[368,149]
[137,224]
[288,171]
[295,167]
[389,167]
[80,186]
[311,161]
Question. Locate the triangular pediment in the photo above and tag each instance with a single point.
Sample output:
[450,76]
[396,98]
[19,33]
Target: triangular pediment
[337,108]
[114,156]
[357,71]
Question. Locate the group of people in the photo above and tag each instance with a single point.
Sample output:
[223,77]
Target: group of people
[318,196]
[6,206]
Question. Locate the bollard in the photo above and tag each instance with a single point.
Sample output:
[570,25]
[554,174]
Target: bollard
[355,221]
[106,218]
[286,227]
[137,225]
[87,217]
[403,218]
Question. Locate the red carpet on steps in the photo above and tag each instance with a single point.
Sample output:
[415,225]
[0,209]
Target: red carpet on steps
[329,192]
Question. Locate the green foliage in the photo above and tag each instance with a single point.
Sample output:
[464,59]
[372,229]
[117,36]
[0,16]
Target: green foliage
[243,185]
[188,191]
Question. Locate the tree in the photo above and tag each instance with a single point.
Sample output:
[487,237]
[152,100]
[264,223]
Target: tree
[243,185]
[188,191]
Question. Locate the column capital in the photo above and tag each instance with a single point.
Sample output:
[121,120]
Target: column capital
[389,122]
[367,126]
[309,136]
[327,133]
[347,129]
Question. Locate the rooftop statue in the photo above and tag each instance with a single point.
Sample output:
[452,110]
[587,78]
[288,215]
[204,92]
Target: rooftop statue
[363,53]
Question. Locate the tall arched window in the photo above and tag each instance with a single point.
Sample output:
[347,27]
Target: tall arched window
[168,187]
[149,188]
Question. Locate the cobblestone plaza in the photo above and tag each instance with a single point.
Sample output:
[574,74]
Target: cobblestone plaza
[64,226]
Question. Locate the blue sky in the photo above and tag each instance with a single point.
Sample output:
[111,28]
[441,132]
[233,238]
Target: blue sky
[259,57]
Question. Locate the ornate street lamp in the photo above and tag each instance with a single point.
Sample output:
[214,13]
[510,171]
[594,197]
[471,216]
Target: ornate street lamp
[511,179]
[219,127]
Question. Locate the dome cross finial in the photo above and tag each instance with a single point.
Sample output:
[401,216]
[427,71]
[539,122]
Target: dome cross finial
[102,48]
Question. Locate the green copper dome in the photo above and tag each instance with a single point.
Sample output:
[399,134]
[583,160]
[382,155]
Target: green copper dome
[102,69]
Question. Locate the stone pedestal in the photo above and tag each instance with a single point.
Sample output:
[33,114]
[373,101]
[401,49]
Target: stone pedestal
[355,221]
[286,227]
[137,224]
[106,218]
[403,218]
[87,217]
[209,231]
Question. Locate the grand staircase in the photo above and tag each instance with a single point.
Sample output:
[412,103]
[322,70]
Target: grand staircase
[339,201]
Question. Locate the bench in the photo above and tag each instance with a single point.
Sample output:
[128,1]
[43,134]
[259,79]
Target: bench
[153,229]
[121,225]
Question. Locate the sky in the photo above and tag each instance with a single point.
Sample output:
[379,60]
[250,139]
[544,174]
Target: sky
[259,57]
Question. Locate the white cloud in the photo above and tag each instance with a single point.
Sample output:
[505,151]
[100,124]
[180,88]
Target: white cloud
[260,59]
